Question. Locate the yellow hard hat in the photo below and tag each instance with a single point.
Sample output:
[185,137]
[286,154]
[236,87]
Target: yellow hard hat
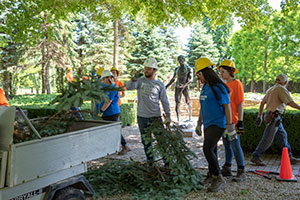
[115,69]
[69,68]
[202,63]
[228,63]
[99,71]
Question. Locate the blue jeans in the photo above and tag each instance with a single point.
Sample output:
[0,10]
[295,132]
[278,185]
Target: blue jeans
[233,148]
[273,129]
[144,123]
[212,135]
[76,114]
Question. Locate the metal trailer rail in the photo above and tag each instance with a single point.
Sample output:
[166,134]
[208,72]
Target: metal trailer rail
[30,170]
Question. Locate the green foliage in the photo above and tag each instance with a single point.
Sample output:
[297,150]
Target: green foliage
[220,35]
[149,181]
[83,88]
[46,128]
[253,134]
[128,114]
[201,44]
[157,43]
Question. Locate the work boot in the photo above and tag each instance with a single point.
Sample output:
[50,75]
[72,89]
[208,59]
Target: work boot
[294,160]
[257,161]
[240,177]
[217,184]
[208,180]
[226,170]
[124,150]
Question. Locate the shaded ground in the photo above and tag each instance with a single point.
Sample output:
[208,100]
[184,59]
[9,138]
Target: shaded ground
[256,187]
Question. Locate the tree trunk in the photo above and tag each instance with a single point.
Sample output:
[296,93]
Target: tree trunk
[43,68]
[59,80]
[6,82]
[80,69]
[244,82]
[265,64]
[116,43]
[266,71]
[252,83]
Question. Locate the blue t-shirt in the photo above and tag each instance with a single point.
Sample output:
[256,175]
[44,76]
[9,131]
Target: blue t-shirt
[113,108]
[212,110]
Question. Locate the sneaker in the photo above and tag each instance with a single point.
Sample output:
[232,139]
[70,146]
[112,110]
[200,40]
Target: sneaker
[294,160]
[124,150]
[240,177]
[257,161]
[217,184]
[226,170]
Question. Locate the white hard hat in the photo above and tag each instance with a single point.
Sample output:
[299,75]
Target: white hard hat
[150,62]
[106,73]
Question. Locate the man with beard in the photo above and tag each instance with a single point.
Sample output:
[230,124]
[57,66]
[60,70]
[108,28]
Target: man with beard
[150,92]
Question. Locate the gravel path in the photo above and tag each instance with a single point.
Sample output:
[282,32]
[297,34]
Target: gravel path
[256,187]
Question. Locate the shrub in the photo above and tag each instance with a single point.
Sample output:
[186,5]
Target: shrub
[128,112]
[253,134]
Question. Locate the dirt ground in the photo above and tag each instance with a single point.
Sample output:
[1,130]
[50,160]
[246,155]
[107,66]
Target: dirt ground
[255,187]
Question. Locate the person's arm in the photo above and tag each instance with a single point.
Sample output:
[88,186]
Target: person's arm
[132,85]
[165,102]
[105,106]
[123,91]
[293,104]
[261,108]
[172,80]
[200,116]
[228,113]
[189,79]
[241,111]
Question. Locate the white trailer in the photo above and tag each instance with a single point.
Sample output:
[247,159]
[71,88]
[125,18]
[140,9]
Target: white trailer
[51,168]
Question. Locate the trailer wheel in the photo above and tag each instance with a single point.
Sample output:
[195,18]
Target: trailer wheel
[69,193]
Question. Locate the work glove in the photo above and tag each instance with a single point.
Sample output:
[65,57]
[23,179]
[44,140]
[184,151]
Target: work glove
[240,127]
[230,132]
[167,121]
[137,75]
[258,121]
[198,129]
[100,113]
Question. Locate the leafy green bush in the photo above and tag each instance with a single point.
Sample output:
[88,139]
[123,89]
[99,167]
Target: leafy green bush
[253,134]
[128,112]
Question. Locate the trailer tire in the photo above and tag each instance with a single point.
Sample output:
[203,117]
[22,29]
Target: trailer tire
[69,193]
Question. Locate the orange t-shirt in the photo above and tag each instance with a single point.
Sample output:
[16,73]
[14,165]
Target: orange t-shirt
[70,77]
[3,100]
[236,96]
[120,85]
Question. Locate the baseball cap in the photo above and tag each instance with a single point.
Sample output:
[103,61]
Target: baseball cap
[282,78]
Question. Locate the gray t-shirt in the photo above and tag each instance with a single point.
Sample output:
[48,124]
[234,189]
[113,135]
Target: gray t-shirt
[150,92]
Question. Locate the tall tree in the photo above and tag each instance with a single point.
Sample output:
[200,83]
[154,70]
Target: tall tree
[201,44]
[153,43]
[220,35]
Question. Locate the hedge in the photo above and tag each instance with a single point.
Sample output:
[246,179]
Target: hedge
[253,134]
[249,140]
[128,112]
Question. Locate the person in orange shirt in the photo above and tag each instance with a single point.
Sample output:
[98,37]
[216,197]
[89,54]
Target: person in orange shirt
[3,100]
[119,84]
[232,146]
[69,75]
[70,79]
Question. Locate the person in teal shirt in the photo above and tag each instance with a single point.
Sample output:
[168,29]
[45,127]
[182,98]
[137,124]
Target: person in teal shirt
[215,116]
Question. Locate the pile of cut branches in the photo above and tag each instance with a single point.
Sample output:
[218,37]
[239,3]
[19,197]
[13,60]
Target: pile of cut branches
[150,180]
